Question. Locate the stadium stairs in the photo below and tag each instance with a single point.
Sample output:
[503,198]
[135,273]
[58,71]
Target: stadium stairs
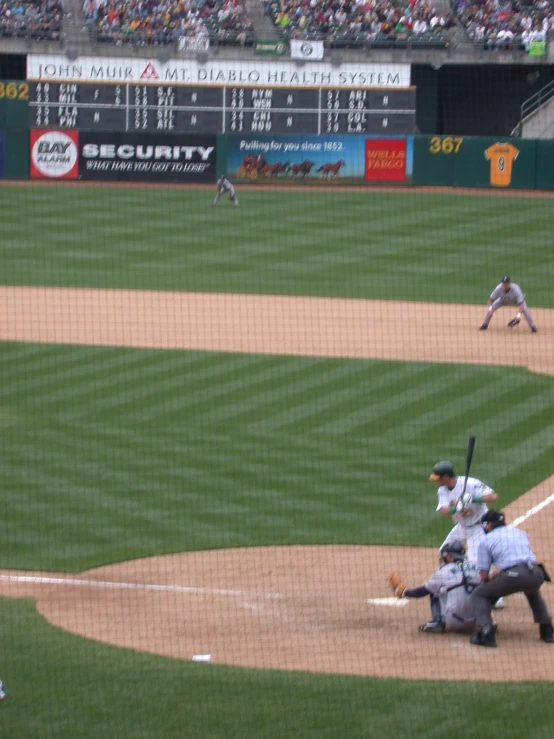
[263,24]
[537,115]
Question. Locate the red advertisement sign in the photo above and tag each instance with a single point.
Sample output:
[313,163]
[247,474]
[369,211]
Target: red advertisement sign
[385,160]
[54,154]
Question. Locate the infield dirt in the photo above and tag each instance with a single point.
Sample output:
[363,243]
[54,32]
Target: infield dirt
[292,608]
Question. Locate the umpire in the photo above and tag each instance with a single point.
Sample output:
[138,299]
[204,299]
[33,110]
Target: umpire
[517,571]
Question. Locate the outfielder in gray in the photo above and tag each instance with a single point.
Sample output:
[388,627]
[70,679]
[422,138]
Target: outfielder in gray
[508,293]
[516,571]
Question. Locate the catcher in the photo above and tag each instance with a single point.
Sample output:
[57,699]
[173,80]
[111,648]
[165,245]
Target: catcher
[449,589]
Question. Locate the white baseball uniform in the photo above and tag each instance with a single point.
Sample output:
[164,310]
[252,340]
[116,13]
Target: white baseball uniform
[468,523]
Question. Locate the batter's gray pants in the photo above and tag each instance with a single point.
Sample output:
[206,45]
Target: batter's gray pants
[518,579]
[499,302]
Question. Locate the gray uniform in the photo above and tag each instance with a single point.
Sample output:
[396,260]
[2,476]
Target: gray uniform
[509,550]
[452,585]
[224,185]
[514,296]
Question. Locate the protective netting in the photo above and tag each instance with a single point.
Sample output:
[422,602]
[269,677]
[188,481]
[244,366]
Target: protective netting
[221,405]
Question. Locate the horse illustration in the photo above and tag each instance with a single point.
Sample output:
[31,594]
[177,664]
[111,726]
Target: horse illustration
[272,170]
[300,169]
[331,171]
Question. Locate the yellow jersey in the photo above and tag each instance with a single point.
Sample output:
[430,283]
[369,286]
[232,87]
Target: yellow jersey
[501,157]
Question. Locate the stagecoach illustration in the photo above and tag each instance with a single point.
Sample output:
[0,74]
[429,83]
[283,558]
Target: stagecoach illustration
[251,167]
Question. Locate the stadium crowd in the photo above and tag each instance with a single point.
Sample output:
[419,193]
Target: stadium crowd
[35,19]
[158,22]
[369,18]
[506,25]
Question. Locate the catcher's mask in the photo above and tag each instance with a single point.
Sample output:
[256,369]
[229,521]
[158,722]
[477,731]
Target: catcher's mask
[456,549]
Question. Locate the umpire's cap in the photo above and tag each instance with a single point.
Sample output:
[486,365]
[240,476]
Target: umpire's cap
[495,518]
[442,468]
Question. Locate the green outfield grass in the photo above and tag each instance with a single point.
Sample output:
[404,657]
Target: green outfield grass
[389,245]
[111,454]
[64,687]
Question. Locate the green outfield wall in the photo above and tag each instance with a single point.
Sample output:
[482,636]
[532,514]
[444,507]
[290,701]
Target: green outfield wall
[14,123]
[444,161]
[468,161]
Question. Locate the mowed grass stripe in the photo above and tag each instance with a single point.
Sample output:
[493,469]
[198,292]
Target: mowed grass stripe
[346,397]
[383,245]
[268,450]
[108,692]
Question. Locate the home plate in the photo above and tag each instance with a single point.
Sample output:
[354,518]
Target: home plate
[387,602]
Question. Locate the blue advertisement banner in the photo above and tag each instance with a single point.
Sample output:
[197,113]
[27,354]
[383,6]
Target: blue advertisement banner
[300,158]
[2,139]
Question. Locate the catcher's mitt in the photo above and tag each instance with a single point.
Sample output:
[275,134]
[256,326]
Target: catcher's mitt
[514,322]
[396,582]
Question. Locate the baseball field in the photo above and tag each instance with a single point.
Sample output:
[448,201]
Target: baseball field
[217,428]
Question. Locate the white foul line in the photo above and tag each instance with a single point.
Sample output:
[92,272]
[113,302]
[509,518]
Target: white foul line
[533,510]
[42,580]
[134,586]
[394,602]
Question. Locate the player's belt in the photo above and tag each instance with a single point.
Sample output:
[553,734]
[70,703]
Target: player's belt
[528,565]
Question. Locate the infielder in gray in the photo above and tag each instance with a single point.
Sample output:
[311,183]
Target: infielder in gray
[516,571]
[508,293]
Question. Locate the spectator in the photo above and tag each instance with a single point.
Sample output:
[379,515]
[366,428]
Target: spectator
[158,22]
[506,25]
[363,19]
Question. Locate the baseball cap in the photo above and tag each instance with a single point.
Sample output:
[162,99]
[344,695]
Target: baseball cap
[442,468]
[506,278]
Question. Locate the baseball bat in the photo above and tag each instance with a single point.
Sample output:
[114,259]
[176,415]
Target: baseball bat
[469,457]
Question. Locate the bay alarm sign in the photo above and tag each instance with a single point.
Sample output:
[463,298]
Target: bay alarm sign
[54,154]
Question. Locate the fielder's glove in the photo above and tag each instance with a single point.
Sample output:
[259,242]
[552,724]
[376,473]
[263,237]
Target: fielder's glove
[396,582]
[514,321]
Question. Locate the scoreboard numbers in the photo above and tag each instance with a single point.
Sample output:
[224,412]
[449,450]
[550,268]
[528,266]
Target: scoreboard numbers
[228,109]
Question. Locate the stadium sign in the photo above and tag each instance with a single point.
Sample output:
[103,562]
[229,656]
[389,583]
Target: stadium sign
[306,50]
[194,43]
[54,154]
[145,157]
[270,47]
[58,68]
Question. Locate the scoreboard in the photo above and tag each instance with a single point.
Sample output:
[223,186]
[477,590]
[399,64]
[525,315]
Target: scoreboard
[227,109]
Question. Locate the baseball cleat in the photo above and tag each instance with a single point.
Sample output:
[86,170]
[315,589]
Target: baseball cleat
[433,627]
[484,327]
[534,329]
[485,637]
[499,604]
[547,633]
